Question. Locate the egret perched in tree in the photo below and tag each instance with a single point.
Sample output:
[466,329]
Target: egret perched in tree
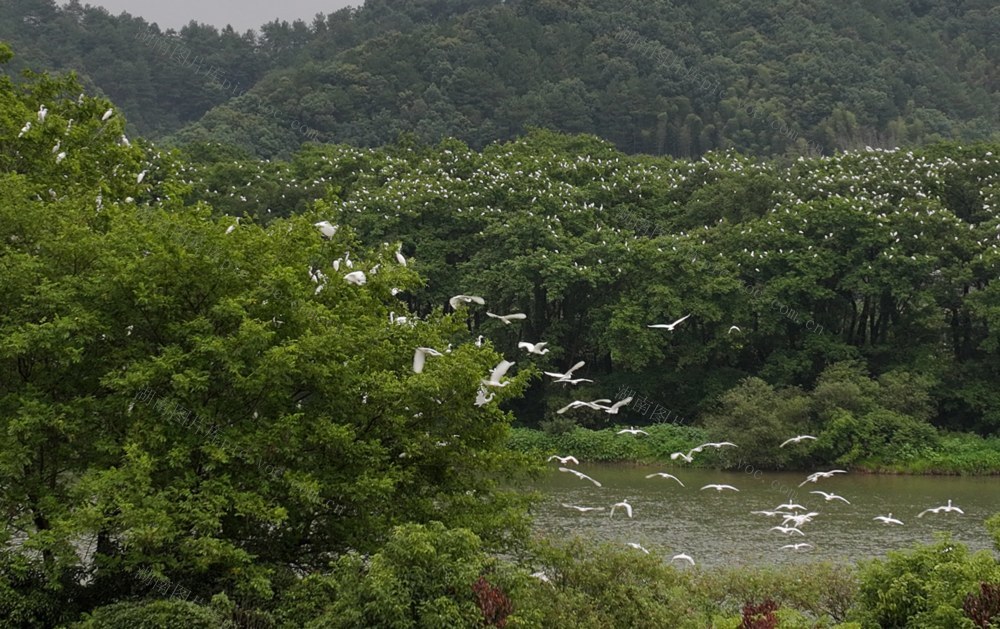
[668,326]
[326,229]
[60,157]
[107,115]
[357,278]
[25,129]
[508,318]
[400,257]
[140,177]
[42,112]
[579,475]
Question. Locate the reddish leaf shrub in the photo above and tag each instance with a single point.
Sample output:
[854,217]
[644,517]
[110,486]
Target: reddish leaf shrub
[983,608]
[759,616]
[494,604]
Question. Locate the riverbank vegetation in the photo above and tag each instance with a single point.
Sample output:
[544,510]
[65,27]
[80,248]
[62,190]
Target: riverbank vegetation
[205,422]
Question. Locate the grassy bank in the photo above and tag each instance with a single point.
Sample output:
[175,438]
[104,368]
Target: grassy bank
[952,454]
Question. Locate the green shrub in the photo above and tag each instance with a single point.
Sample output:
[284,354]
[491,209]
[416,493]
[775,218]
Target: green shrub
[922,587]
[27,599]
[164,614]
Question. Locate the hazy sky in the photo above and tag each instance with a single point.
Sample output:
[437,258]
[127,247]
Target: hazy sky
[242,14]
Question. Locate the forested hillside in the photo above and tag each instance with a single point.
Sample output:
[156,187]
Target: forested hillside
[794,77]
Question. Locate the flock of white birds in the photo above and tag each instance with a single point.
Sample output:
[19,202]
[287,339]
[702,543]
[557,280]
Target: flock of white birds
[793,515]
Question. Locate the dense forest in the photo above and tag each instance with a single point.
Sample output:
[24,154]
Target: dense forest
[211,414]
[799,77]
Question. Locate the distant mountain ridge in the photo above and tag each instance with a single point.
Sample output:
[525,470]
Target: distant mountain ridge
[680,78]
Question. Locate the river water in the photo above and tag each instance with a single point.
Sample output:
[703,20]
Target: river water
[718,529]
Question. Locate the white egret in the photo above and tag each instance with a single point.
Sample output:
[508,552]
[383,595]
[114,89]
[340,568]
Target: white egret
[665,475]
[327,229]
[420,355]
[541,576]
[25,129]
[107,115]
[140,177]
[769,514]
[799,519]
[481,399]
[356,277]
[796,440]
[812,478]
[568,374]
[632,430]
[508,318]
[533,348]
[573,380]
[637,547]
[624,505]
[718,487]
[458,301]
[582,509]
[799,546]
[579,475]
[60,157]
[829,497]
[683,557]
[946,508]
[668,326]
[789,505]
[400,258]
[787,530]
[680,455]
[498,372]
[613,410]
[563,459]
[887,519]
[578,403]
[42,112]
[733,327]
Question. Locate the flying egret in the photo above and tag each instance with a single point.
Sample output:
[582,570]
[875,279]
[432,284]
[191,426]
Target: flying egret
[734,327]
[578,403]
[533,348]
[683,557]
[769,514]
[572,380]
[665,475]
[718,487]
[579,475]
[637,547]
[356,277]
[481,399]
[887,519]
[799,519]
[796,440]
[790,505]
[508,318]
[829,497]
[327,229]
[458,301]
[563,459]
[946,508]
[420,354]
[680,455]
[812,478]
[632,430]
[668,326]
[568,374]
[498,372]
[613,410]
[624,505]
[799,546]
[787,530]
[715,444]
[582,509]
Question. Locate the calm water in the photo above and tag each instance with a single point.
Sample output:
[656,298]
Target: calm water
[717,528]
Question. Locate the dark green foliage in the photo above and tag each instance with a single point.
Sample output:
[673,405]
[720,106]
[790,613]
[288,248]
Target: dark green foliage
[655,78]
